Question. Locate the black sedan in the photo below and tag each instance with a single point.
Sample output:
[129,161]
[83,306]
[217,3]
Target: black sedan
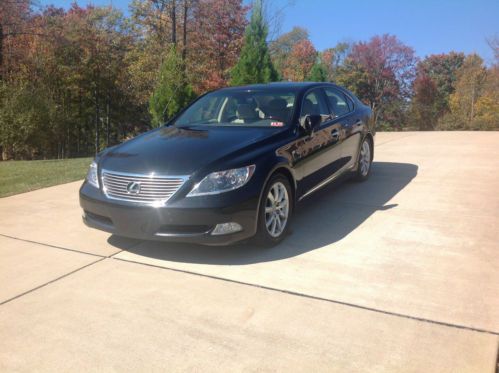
[230,166]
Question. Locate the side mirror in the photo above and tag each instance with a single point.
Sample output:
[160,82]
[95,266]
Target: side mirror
[310,123]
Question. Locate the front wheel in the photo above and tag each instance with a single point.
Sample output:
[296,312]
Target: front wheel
[365,161]
[275,211]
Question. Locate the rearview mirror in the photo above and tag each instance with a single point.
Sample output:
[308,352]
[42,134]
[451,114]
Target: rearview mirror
[310,123]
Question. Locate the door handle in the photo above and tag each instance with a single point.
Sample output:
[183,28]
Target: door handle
[335,134]
[358,123]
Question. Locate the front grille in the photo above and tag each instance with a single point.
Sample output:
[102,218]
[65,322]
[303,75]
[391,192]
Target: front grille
[151,189]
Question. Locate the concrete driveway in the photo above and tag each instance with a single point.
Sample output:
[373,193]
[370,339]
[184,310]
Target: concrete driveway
[398,274]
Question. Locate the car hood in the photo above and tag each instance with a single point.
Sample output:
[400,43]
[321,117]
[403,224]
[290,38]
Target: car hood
[181,151]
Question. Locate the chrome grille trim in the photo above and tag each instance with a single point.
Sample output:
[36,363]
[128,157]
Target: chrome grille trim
[155,190]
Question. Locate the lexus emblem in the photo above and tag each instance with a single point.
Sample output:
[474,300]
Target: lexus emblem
[133,187]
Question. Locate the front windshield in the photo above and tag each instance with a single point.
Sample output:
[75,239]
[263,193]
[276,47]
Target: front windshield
[248,108]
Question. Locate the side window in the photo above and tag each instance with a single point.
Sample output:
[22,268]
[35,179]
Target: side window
[337,102]
[314,104]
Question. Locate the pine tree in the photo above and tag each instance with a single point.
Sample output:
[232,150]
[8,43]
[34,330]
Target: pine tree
[255,65]
[173,91]
[318,73]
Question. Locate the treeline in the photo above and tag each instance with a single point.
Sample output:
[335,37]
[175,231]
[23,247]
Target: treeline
[73,82]
[451,91]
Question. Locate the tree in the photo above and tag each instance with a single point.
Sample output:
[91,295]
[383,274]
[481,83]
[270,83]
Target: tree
[424,109]
[216,42]
[333,59]
[280,49]
[441,69]
[318,73]
[300,61]
[470,84]
[494,44]
[487,106]
[70,85]
[172,91]
[15,30]
[254,65]
[381,72]
[434,83]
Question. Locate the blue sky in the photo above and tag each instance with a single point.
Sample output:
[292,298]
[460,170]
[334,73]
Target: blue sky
[429,26]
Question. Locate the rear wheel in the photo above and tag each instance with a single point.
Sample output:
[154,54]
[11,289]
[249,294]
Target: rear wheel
[365,161]
[275,211]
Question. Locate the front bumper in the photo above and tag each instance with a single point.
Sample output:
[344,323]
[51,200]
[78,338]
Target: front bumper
[183,220]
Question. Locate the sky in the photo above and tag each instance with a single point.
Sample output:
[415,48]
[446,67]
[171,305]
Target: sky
[428,26]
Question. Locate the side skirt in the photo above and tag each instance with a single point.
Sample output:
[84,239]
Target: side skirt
[330,179]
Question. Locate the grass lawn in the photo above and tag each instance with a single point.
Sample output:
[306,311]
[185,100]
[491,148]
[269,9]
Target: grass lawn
[23,176]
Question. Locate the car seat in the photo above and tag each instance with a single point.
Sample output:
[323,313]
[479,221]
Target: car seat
[309,108]
[245,114]
[278,108]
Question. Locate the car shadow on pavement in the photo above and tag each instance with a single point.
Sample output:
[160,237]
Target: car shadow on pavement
[322,219]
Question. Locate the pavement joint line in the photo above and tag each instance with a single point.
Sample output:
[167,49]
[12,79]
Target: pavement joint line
[52,281]
[313,297]
[54,246]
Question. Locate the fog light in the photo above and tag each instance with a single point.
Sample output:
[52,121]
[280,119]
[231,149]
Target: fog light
[226,228]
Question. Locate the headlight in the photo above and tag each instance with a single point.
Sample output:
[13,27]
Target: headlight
[223,181]
[92,176]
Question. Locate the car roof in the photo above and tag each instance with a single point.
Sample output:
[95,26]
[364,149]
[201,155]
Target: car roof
[295,86]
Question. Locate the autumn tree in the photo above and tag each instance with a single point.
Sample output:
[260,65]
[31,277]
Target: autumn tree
[300,61]
[487,106]
[332,59]
[216,42]
[75,75]
[424,109]
[470,84]
[281,48]
[381,72]
[15,32]
[436,77]
[254,65]
[152,37]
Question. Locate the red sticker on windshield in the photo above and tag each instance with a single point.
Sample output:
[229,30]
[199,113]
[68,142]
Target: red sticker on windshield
[276,124]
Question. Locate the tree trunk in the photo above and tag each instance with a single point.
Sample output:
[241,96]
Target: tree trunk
[97,119]
[174,22]
[78,136]
[184,49]
[107,122]
[1,52]
[472,111]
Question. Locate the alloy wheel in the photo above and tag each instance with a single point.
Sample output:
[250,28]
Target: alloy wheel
[365,158]
[276,209]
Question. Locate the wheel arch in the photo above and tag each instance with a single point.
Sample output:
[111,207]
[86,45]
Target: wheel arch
[369,136]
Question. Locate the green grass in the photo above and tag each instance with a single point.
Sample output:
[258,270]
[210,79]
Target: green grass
[23,176]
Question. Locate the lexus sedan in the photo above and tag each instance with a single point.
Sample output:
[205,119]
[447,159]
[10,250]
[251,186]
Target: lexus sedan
[230,166]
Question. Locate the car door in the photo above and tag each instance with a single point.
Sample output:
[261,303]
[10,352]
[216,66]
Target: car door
[323,147]
[342,108]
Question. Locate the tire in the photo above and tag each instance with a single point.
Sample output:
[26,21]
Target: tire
[364,162]
[269,232]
